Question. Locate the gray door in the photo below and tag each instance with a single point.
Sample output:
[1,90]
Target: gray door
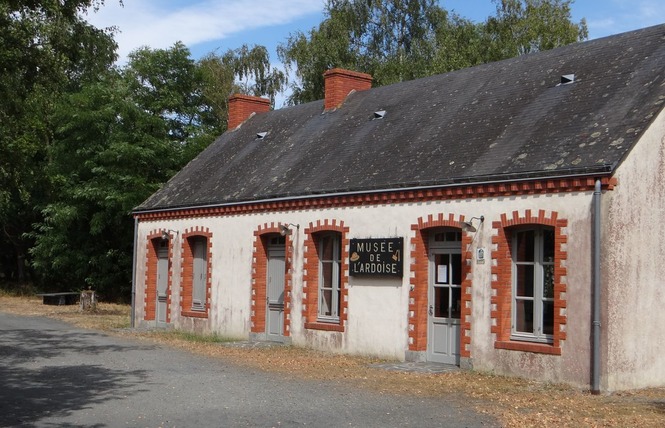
[444,309]
[275,291]
[162,282]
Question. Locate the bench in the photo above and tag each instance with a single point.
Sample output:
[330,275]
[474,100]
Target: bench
[67,298]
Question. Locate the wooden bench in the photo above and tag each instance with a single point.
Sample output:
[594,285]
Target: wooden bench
[67,298]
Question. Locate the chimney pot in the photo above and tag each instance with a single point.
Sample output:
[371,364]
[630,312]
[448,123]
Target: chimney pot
[340,82]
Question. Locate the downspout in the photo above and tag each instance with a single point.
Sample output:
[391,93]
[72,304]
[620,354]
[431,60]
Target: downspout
[595,369]
[133,310]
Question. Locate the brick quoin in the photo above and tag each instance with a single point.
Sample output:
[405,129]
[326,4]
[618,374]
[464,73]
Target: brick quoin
[418,297]
[501,300]
[311,276]
[260,278]
[187,272]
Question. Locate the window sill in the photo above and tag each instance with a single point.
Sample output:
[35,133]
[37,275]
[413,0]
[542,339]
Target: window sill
[195,314]
[323,326]
[538,348]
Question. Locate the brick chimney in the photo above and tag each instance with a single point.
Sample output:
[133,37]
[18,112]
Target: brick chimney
[340,82]
[241,108]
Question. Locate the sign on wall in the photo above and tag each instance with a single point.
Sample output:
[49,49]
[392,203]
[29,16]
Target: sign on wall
[382,256]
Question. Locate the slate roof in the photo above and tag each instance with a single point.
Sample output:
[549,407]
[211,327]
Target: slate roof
[495,122]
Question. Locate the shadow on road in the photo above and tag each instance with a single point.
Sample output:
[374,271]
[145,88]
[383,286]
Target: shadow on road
[21,345]
[39,382]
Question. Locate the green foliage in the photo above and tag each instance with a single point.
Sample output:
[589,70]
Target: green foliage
[166,83]
[397,40]
[108,154]
[392,40]
[115,141]
[525,26]
[251,67]
[46,50]
[244,70]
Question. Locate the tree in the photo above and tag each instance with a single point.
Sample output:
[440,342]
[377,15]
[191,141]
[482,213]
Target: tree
[311,55]
[525,26]
[392,40]
[116,140]
[166,83]
[243,70]
[396,40]
[108,154]
[46,50]
[252,72]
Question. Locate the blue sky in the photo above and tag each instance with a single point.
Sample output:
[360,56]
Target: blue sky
[209,25]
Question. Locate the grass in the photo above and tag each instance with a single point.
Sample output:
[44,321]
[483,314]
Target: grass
[180,335]
[514,402]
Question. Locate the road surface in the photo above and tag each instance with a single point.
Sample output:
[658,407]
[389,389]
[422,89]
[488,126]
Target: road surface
[55,375]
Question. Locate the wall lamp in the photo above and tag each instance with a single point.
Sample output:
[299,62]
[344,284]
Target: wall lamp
[285,230]
[468,226]
[166,234]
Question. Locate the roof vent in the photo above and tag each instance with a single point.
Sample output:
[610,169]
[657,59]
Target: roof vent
[261,135]
[379,114]
[567,78]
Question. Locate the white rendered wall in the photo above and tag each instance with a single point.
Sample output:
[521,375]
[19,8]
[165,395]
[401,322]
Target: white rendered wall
[633,268]
[377,321]
[573,365]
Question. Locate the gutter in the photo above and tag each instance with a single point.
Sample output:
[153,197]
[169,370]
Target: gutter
[369,191]
[595,362]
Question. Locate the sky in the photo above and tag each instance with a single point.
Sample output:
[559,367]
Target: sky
[205,26]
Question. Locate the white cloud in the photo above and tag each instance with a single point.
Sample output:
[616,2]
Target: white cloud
[151,23]
[601,25]
[619,16]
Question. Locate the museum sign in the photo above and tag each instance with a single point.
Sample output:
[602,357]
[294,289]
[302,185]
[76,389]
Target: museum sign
[381,256]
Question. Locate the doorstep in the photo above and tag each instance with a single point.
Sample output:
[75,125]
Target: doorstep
[417,367]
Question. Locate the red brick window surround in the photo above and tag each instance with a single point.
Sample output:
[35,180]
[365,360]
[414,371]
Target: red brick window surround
[509,267]
[259,278]
[318,266]
[418,296]
[154,242]
[192,305]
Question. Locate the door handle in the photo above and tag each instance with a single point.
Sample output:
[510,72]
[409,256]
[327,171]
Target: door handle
[431,310]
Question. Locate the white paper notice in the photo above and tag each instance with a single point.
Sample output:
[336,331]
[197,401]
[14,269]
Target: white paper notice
[442,274]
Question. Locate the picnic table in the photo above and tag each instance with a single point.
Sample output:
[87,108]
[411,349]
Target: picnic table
[65,298]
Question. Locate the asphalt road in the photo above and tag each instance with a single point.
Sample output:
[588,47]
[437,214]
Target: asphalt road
[54,375]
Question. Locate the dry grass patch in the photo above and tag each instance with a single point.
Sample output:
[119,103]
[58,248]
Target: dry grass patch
[514,402]
[106,317]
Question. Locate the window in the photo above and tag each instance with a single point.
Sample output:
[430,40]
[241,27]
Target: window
[533,285]
[330,255]
[199,273]
[325,288]
[529,282]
